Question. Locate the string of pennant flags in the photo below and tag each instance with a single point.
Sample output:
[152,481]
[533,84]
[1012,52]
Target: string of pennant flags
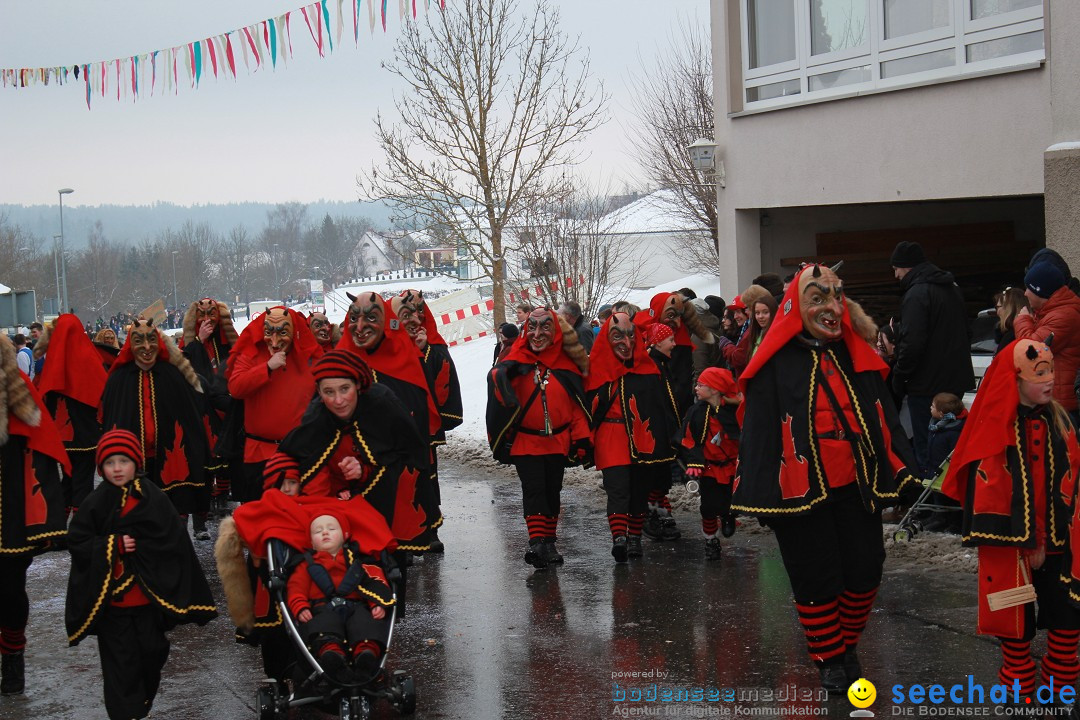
[262,44]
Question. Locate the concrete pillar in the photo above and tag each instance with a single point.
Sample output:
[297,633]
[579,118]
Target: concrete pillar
[1061,161]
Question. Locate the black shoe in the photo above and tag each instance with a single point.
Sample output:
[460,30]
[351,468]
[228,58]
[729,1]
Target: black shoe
[852,668]
[653,528]
[335,667]
[618,549]
[198,527]
[535,554]
[366,665]
[13,669]
[670,530]
[550,554]
[727,525]
[436,545]
[712,549]
[633,546]
[834,678]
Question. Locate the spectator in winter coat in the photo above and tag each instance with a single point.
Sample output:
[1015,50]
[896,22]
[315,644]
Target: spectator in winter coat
[706,354]
[1007,304]
[933,350]
[571,312]
[1055,310]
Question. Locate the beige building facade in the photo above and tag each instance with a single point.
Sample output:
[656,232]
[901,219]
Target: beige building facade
[846,125]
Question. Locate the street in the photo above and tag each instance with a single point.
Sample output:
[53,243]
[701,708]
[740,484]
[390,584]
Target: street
[486,636]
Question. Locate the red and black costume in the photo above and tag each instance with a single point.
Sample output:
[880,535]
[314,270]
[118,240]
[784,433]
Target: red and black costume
[209,358]
[821,452]
[537,420]
[129,599]
[634,418]
[1015,470]
[273,400]
[164,407]
[709,448]
[394,362]
[32,517]
[72,383]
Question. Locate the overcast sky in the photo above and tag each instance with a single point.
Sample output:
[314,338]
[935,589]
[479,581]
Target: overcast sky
[298,133]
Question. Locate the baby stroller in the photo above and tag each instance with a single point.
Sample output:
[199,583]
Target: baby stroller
[910,525]
[311,685]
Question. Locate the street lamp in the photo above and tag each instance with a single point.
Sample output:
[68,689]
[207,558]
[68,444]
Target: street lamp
[63,249]
[703,159]
[174,253]
[56,270]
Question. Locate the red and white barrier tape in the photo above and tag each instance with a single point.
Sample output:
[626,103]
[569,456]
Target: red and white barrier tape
[462,341]
[472,310]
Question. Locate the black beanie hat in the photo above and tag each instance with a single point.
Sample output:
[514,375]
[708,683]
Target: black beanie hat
[1044,280]
[907,254]
[716,305]
[509,330]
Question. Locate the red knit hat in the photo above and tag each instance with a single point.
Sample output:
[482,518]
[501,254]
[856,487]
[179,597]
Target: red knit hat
[719,379]
[737,303]
[658,332]
[338,513]
[342,364]
[278,468]
[119,442]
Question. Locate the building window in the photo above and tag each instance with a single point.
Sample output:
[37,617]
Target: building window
[797,51]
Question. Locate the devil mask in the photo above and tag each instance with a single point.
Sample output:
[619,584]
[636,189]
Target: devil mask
[367,321]
[1034,362]
[621,336]
[409,307]
[278,330]
[320,328]
[206,310]
[821,303]
[144,343]
[540,329]
[671,313]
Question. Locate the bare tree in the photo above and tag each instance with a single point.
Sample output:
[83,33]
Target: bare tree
[567,248]
[675,108]
[234,268]
[282,245]
[95,275]
[196,246]
[331,245]
[498,97]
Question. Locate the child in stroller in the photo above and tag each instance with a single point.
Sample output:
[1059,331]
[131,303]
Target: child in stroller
[337,599]
[339,595]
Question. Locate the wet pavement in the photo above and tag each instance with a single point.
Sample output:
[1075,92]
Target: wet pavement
[486,636]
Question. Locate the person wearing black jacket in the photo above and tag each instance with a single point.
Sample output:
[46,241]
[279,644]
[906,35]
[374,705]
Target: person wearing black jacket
[933,350]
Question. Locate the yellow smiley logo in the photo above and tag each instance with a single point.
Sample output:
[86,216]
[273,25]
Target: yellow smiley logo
[862,693]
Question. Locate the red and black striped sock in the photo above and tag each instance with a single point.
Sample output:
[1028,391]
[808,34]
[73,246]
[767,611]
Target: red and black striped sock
[855,610]
[636,523]
[619,524]
[12,640]
[821,624]
[551,526]
[1016,664]
[1060,665]
[708,526]
[655,496]
[366,645]
[537,525]
[665,503]
[222,486]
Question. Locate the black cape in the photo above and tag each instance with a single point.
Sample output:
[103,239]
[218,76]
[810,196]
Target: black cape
[176,404]
[778,440]
[32,516]
[696,426]
[163,564]
[445,389]
[384,436]
[648,410]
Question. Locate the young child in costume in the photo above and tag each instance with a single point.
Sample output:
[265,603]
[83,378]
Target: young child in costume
[709,447]
[134,575]
[1014,471]
[340,596]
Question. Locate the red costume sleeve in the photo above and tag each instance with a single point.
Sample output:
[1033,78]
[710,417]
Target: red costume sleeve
[249,376]
[297,590]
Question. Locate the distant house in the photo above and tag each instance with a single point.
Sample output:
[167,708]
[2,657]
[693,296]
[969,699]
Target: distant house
[376,254]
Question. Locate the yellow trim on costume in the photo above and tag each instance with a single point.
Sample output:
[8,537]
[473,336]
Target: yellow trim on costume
[78,634]
[374,480]
[1027,498]
[178,610]
[452,417]
[118,591]
[376,596]
[186,483]
[363,444]
[322,458]
[82,449]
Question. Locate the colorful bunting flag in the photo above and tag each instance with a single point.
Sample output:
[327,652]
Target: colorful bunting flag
[270,38]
